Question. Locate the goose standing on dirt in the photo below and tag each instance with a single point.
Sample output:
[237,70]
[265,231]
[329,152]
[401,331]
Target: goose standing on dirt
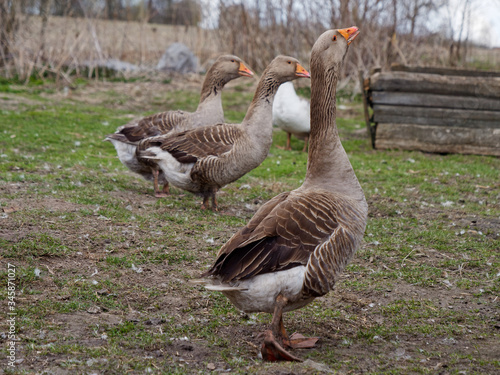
[209,112]
[297,244]
[205,159]
[291,114]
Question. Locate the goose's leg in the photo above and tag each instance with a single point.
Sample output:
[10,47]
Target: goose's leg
[158,193]
[214,200]
[287,147]
[166,188]
[275,337]
[306,143]
[206,196]
[209,194]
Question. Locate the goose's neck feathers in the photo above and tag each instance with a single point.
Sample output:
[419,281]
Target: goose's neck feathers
[263,98]
[328,166]
[212,87]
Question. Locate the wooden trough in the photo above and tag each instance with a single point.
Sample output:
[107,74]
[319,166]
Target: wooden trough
[433,109]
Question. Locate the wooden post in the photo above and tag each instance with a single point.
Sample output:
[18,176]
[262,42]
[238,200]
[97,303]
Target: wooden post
[371,129]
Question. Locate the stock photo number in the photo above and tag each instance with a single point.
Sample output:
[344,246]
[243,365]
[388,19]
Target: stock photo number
[11,315]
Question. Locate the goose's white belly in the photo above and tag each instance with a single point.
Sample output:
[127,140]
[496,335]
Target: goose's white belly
[126,154]
[295,127]
[176,173]
[291,112]
[259,293]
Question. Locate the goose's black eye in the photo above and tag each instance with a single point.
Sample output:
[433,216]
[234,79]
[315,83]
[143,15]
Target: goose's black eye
[289,62]
[334,38]
[232,61]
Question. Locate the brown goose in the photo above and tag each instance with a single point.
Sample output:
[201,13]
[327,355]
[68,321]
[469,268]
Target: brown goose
[209,111]
[297,244]
[205,159]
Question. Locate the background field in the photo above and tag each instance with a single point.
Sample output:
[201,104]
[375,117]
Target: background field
[65,47]
[102,267]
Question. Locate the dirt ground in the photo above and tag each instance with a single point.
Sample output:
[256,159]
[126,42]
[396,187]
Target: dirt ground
[77,328]
[472,349]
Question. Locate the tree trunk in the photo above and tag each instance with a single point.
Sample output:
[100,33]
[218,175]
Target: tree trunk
[8,26]
[44,11]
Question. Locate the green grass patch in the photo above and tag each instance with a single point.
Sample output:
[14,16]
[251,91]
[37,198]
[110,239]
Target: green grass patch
[91,243]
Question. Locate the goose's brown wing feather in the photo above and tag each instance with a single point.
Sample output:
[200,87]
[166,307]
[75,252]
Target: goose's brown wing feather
[282,234]
[154,125]
[214,140]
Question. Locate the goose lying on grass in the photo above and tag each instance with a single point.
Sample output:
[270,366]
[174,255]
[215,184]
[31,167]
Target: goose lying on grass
[209,112]
[297,244]
[205,159]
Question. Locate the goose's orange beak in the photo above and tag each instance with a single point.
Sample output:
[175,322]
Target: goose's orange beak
[244,71]
[301,72]
[349,34]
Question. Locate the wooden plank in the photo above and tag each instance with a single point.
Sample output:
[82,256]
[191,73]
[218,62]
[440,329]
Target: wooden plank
[444,71]
[481,87]
[435,101]
[437,112]
[436,116]
[449,122]
[438,139]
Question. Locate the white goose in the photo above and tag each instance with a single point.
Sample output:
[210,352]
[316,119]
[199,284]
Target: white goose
[291,114]
[297,244]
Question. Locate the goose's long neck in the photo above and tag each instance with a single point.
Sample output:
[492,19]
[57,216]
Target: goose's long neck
[211,93]
[260,110]
[328,165]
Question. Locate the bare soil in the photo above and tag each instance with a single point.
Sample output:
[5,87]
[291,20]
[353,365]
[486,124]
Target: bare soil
[78,328]
[471,351]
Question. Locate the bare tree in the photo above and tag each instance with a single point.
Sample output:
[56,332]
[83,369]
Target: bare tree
[457,44]
[8,26]
[392,31]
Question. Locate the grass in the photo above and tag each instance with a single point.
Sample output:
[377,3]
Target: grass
[102,267]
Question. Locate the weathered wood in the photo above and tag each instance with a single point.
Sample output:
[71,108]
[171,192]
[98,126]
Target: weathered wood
[369,127]
[436,116]
[438,139]
[483,87]
[436,101]
[436,110]
[444,71]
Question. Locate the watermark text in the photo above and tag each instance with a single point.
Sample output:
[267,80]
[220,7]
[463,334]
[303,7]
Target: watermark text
[11,315]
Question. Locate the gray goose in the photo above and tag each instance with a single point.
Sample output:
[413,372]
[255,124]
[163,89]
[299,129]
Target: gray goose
[209,111]
[297,244]
[205,159]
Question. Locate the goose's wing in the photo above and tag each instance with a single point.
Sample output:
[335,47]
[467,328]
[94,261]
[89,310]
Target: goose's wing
[189,146]
[160,123]
[283,234]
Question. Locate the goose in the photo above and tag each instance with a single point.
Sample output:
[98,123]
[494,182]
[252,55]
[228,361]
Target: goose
[296,245]
[205,159]
[291,114]
[209,111]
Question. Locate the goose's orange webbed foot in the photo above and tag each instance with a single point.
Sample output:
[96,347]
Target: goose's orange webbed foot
[272,350]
